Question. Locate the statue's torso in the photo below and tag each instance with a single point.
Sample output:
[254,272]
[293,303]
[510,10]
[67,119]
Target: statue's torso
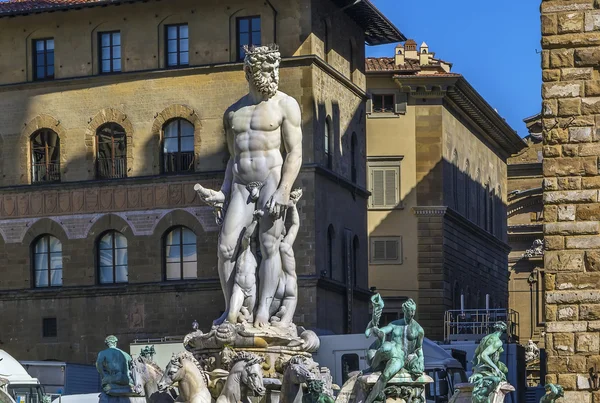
[257,138]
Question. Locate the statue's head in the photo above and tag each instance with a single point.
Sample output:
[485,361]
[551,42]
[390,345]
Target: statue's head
[261,66]
[500,327]
[409,308]
[111,341]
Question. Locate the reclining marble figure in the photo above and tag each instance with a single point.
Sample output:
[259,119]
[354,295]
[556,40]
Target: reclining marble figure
[256,128]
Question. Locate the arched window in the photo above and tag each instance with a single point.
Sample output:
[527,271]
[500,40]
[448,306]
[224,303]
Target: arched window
[111,152]
[178,146]
[327,142]
[112,258]
[353,157]
[355,257]
[45,156]
[467,189]
[455,173]
[180,257]
[330,240]
[47,261]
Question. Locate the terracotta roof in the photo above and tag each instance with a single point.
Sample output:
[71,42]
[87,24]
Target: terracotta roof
[389,64]
[12,7]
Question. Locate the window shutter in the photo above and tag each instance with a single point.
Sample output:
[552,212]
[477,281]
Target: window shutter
[401,101]
[378,191]
[379,250]
[390,187]
[391,250]
[369,105]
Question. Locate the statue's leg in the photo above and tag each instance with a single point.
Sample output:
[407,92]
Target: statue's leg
[270,266]
[237,217]
[393,366]
[290,298]
[237,300]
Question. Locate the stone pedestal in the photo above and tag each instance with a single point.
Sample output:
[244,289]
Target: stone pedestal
[401,388]
[463,393]
[104,398]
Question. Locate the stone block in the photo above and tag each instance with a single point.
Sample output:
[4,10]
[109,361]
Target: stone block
[557,364]
[545,59]
[589,312]
[566,327]
[576,281]
[558,261]
[550,315]
[583,242]
[589,149]
[570,22]
[561,58]
[551,378]
[590,106]
[572,297]
[590,165]
[587,343]
[571,228]
[550,214]
[551,75]
[549,107]
[550,183]
[552,151]
[570,150]
[592,261]
[580,134]
[554,242]
[566,212]
[569,106]
[577,73]
[577,397]
[570,183]
[587,56]
[588,212]
[563,167]
[556,136]
[592,88]
[561,90]
[567,381]
[571,40]
[549,24]
[550,281]
[571,196]
[576,364]
[568,312]
[592,21]
[590,182]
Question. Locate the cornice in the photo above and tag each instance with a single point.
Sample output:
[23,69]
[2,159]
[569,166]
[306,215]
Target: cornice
[533,169]
[429,211]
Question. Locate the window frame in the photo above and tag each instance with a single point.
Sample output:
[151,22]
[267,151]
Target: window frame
[178,170]
[47,160]
[110,46]
[113,158]
[383,104]
[48,269]
[386,262]
[35,59]
[44,321]
[239,45]
[181,245]
[385,163]
[113,249]
[178,52]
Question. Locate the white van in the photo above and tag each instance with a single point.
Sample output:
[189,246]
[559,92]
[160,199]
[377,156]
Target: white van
[19,384]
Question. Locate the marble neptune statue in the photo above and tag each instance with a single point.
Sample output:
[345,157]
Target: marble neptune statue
[258,177]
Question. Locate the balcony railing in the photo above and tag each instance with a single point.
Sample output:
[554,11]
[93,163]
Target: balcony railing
[474,324]
[111,168]
[42,173]
[178,162]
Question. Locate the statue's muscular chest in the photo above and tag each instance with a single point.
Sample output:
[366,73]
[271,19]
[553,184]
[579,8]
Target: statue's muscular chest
[264,117]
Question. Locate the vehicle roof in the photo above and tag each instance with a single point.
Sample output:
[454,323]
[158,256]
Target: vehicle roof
[87,398]
[12,370]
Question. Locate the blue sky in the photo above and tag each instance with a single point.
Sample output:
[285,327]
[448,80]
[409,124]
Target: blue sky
[494,44]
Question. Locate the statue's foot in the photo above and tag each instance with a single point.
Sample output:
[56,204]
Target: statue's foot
[221,319]
[279,323]
[261,321]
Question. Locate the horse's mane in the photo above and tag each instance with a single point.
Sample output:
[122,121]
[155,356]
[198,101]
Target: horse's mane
[178,358]
[250,358]
[150,363]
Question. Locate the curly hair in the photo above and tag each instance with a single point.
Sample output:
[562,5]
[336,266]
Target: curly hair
[257,60]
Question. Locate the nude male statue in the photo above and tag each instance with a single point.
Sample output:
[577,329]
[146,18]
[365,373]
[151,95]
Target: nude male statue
[256,127]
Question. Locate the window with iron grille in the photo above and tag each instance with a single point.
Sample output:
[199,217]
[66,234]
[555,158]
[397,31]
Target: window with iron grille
[47,262]
[111,152]
[45,156]
[112,258]
[383,103]
[180,255]
[43,59]
[386,250]
[110,51]
[178,47]
[248,34]
[49,327]
[178,146]
[384,183]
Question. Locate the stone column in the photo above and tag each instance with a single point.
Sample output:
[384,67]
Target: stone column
[571,118]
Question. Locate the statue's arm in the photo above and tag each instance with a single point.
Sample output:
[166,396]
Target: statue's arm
[292,139]
[290,237]
[485,356]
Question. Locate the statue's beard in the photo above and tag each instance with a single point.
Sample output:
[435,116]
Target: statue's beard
[267,86]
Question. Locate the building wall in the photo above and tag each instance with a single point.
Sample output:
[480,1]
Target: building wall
[144,205]
[571,222]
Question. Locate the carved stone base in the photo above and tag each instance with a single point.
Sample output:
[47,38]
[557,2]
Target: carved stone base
[464,393]
[104,398]
[401,388]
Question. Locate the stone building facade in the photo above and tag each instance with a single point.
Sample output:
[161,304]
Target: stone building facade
[436,168]
[570,112]
[111,111]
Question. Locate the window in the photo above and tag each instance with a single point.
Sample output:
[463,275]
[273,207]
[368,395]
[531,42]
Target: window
[45,156]
[110,51]
[47,261]
[49,327]
[353,146]
[178,51]
[330,238]
[327,140]
[181,261]
[178,146]
[43,59]
[383,103]
[111,152]
[455,173]
[350,363]
[386,250]
[248,34]
[112,258]
[384,183]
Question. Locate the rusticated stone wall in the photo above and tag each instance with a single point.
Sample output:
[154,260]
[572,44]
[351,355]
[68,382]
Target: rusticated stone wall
[571,119]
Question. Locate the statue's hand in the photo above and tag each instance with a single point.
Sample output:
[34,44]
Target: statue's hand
[278,203]
[210,196]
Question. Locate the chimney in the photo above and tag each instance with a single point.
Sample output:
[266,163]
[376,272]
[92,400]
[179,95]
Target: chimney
[399,56]
[410,50]
[424,55]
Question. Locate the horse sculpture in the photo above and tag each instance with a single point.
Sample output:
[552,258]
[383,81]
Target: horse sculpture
[192,383]
[245,377]
[296,373]
[146,375]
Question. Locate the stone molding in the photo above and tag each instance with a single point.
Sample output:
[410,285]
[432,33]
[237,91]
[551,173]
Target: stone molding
[430,211]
